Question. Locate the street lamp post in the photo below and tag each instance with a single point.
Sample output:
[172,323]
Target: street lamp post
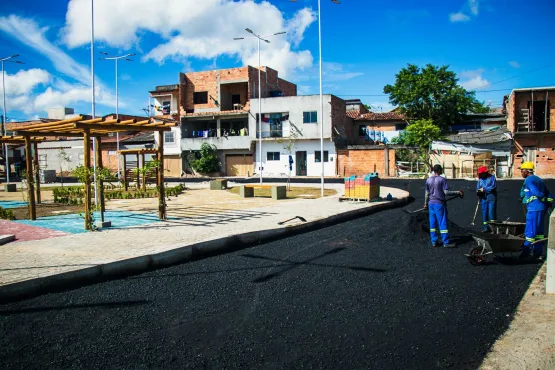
[115,59]
[4,120]
[321,92]
[259,38]
[93,108]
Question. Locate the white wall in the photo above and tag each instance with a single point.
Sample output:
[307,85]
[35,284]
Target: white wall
[175,147]
[281,167]
[294,106]
[160,98]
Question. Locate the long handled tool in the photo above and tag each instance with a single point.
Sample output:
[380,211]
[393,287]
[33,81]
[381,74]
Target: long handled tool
[425,208]
[476,212]
[291,219]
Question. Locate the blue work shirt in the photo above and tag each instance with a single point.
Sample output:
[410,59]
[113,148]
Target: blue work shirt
[536,194]
[489,184]
[436,188]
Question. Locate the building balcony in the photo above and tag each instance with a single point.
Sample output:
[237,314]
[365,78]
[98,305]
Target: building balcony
[221,143]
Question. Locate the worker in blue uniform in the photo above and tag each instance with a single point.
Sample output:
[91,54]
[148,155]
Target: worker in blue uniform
[434,200]
[538,200]
[486,189]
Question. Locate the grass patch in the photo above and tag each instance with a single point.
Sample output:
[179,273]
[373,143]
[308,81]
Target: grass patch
[47,209]
[294,193]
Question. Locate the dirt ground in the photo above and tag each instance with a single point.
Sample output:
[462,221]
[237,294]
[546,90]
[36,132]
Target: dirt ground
[46,209]
[295,192]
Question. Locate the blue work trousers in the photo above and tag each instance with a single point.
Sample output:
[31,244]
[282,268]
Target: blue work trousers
[439,225]
[534,231]
[489,210]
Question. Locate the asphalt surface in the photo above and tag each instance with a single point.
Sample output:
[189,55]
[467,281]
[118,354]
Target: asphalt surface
[368,294]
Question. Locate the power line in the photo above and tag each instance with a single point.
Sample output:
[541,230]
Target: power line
[510,78]
[376,95]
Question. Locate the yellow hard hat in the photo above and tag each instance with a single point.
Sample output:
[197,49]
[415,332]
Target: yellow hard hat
[527,166]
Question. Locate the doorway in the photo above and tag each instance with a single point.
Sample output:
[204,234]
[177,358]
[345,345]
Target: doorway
[300,167]
[538,116]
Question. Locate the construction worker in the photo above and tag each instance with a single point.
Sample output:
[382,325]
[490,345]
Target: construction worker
[486,189]
[538,200]
[436,190]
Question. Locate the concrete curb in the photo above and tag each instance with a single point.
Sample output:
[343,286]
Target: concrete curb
[176,255]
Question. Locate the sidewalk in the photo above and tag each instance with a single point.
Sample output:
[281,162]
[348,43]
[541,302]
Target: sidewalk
[33,261]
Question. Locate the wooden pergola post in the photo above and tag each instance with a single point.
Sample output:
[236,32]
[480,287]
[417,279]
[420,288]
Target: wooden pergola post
[138,173]
[87,163]
[98,155]
[160,178]
[37,174]
[30,180]
[125,173]
[144,171]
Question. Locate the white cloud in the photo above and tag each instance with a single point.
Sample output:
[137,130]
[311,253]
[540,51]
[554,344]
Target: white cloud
[471,6]
[458,17]
[28,32]
[514,64]
[25,81]
[193,29]
[335,72]
[21,87]
[474,6]
[474,79]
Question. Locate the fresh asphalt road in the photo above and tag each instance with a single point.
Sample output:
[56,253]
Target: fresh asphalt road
[367,294]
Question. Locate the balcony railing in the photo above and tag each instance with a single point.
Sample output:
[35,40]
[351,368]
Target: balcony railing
[273,133]
[212,132]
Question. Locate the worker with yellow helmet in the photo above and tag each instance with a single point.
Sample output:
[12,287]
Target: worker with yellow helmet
[538,199]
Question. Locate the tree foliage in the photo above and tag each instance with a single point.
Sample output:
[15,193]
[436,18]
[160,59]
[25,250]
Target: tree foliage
[432,93]
[206,159]
[420,134]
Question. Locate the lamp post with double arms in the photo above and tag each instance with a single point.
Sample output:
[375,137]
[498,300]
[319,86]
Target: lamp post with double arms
[116,59]
[265,39]
[4,120]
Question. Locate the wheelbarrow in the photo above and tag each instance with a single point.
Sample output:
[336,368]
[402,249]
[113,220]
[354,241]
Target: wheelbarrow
[489,244]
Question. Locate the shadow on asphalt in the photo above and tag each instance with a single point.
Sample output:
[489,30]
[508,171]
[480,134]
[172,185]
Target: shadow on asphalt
[74,306]
[290,265]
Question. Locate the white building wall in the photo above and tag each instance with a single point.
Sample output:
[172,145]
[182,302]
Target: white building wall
[171,148]
[294,106]
[281,167]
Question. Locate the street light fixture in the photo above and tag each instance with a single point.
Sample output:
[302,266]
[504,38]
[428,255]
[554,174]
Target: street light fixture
[321,93]
[116,58]
[259,38]
[4,120]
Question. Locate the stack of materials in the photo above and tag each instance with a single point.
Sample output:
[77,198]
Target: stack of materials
[363,188]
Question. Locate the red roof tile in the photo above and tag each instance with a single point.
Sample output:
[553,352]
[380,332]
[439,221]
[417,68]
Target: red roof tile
[354,114]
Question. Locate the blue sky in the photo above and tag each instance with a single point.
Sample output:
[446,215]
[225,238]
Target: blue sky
[365,43]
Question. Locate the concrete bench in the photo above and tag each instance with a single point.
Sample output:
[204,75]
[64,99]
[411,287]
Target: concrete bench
[278,191]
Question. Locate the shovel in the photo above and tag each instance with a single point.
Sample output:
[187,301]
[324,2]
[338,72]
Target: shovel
[423,209]
[291,219]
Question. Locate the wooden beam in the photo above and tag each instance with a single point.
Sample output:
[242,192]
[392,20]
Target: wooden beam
[119,127]
[37,174]
[48,124]
[49,134]
[87,164]
[162,190]
[30,180]
[49,129]
[98,155]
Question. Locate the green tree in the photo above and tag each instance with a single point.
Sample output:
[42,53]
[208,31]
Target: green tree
[432,93]
[420,134]
[206,159]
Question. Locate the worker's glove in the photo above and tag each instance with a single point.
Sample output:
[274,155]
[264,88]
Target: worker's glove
[461,194]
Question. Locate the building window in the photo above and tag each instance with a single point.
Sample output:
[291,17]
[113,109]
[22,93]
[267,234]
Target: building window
[272,156]
[200,97]
[166,107]
[317,156]
[400,126]
[169,137]
[310,117]
[361,130]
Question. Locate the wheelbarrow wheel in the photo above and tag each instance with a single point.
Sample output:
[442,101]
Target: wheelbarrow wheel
[476,256]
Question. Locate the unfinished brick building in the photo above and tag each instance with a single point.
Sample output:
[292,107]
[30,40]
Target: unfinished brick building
[530,117]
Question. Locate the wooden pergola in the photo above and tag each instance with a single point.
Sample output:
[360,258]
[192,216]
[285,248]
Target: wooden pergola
[94,128]
[19,141]
[137,152]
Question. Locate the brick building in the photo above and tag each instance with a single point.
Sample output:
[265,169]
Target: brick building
[214,107]
[530,117]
